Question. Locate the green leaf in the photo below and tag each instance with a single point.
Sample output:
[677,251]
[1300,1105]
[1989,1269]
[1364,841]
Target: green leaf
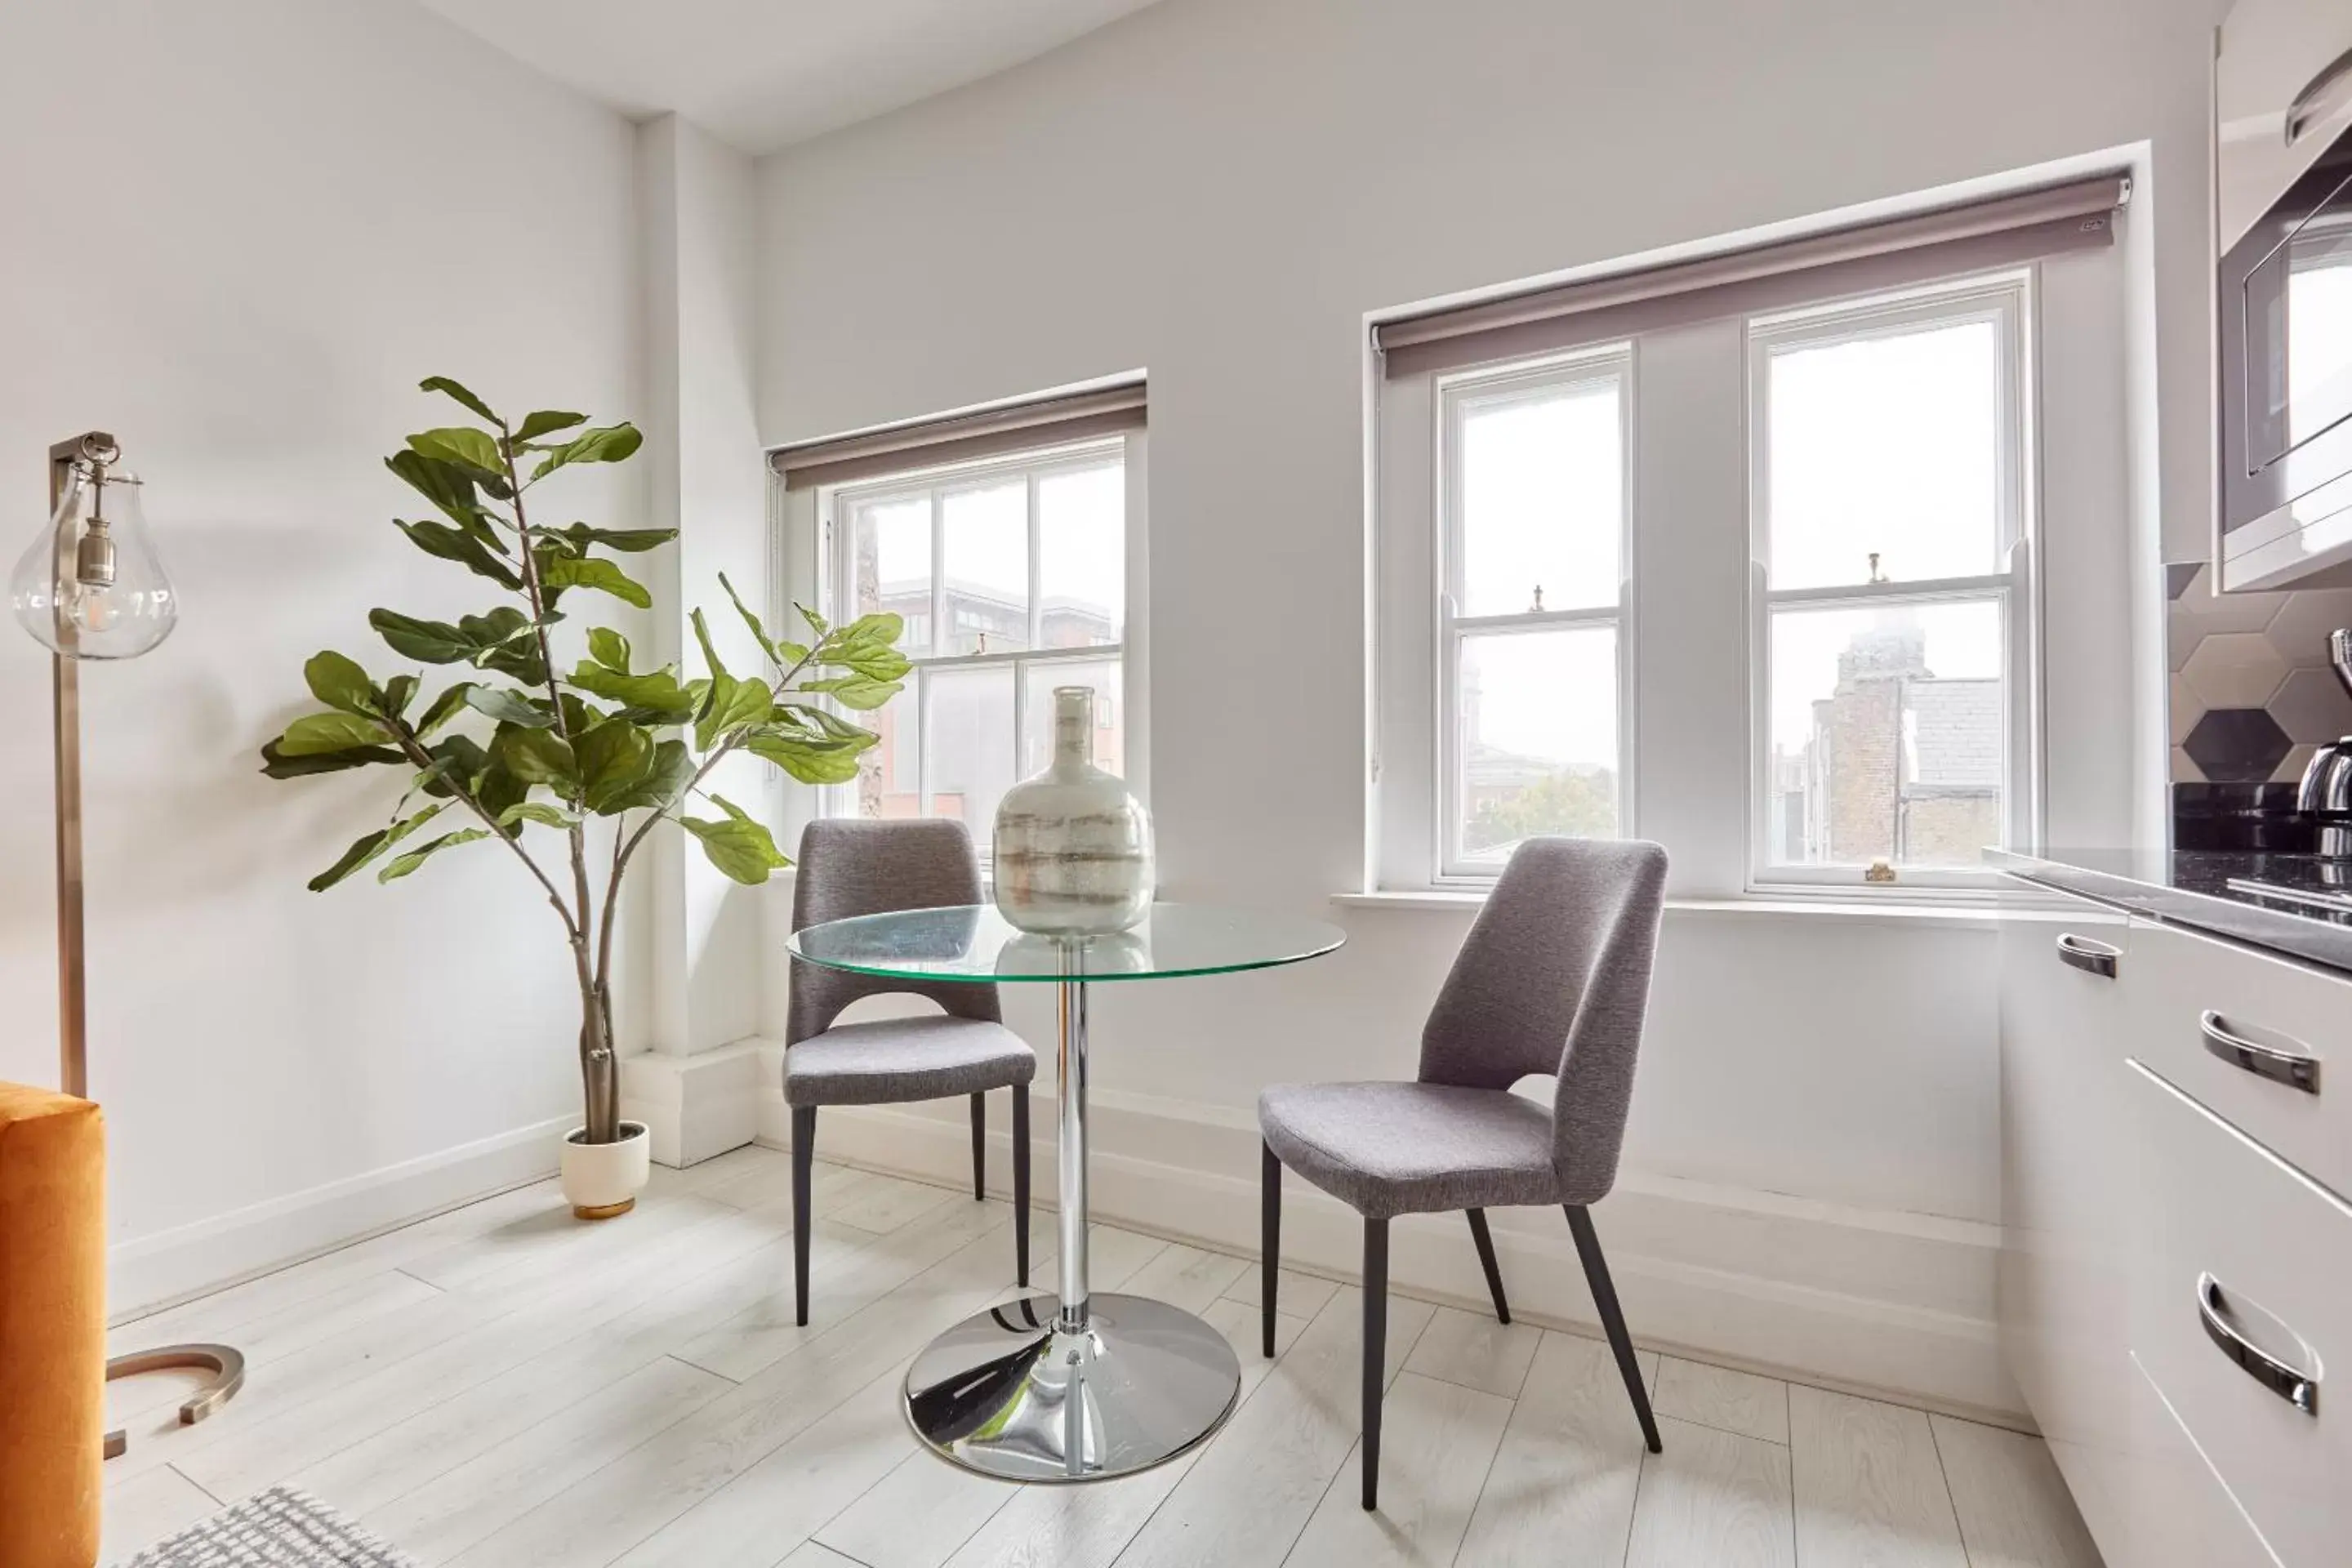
[439,538]
[655,696]
[277,764]
[628,540]
[369,846]
[545,422]
[442,384]
[609,648]
[428,642]
[866,646]
[340,682]
[398,693]
[744,849]
[614,757]
[536,811]
[537,757]
[508,708]
[759,632]
[557,573]
[816,622]
[460,761]
[442,708]
[702,635]
[506,642]
[664,782]
[815,760]
[462,445]
[323,732]
[791,652]
[606,443]
[446,485]
[402,864]
[860,691]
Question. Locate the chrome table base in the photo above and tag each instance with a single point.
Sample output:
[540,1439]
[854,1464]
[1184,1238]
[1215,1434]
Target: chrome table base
[1011,1393]
[1075,1387]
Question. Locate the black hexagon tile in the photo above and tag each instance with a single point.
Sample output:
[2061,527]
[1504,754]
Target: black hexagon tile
[2237,745]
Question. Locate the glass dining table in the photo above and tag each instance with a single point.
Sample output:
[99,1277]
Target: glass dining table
[1069,1385]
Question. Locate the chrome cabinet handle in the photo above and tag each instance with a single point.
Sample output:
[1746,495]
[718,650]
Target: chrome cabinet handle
[2090,957]
[2297,1388]
[2293,1068]
[2305,107]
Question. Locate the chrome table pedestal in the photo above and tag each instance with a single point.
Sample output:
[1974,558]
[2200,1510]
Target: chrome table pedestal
[1078,1387]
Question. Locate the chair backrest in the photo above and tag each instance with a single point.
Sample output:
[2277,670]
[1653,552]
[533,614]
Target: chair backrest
[1555,978]
[850,868]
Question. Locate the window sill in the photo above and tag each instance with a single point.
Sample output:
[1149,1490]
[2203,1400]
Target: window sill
[1977,914]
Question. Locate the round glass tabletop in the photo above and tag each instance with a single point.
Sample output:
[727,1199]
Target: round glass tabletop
[973,941]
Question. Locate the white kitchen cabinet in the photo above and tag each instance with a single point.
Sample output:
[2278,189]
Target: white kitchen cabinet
[2280,66]
[2240,1313]
[2063,1269]
[2182,1516]
[2264,1042]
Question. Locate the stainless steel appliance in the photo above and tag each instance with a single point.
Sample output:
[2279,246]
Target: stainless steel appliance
[2285,340]
[2325,791]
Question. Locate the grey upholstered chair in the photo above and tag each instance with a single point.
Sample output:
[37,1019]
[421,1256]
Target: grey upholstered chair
[848,868]
[1554,979]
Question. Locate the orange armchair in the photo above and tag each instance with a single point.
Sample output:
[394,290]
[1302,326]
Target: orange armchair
[52,1327]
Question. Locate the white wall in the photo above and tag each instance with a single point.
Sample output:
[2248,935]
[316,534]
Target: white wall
[1218,190]
[241,234]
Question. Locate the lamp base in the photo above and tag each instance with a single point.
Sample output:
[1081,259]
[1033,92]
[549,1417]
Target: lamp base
[227,1365]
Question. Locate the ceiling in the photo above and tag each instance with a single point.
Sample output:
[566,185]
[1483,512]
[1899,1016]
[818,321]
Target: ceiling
[762,74]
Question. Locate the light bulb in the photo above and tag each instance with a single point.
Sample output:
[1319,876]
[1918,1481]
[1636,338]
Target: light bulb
[91,585]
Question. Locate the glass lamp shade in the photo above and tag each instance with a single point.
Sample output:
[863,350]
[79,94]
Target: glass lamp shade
[91,585]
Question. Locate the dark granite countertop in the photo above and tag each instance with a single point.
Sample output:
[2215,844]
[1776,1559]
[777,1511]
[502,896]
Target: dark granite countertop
[2202,891]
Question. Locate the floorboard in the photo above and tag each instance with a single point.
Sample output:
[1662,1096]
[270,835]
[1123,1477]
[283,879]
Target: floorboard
[502,1386]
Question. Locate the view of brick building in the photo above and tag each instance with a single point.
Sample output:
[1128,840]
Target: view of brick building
[1899,763]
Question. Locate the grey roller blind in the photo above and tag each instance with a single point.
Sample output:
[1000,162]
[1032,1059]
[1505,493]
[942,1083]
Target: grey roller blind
[1999,231]
[932,443]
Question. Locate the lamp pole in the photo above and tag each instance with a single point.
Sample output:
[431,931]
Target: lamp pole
[65,687]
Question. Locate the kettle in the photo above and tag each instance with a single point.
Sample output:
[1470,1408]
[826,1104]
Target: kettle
[2327,786]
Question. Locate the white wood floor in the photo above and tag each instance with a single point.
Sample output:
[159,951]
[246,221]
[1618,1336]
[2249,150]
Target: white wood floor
[503,1388]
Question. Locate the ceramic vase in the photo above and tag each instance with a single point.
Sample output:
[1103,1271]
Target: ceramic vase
[602,1180]
[1073,847]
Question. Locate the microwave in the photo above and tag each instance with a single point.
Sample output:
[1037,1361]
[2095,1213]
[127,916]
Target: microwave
[2285,377]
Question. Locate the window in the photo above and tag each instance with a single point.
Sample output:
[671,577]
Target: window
[1010,576]
[1531,608]
[1888,503]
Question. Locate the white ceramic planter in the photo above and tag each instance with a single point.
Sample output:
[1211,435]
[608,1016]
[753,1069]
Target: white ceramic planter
[601,1179]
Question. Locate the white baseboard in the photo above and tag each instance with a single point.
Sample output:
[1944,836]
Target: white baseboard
[153,1271]
[1874,1302]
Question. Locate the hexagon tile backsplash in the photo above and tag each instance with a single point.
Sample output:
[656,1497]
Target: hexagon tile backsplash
[2252,693]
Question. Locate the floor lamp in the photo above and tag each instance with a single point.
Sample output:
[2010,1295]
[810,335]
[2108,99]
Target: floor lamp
[92,587]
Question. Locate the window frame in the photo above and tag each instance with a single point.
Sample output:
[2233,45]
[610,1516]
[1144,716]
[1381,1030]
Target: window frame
[835,507]
[1456,394]
[2005,300]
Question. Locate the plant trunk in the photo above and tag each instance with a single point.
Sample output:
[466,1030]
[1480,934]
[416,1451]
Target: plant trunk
[600,1069]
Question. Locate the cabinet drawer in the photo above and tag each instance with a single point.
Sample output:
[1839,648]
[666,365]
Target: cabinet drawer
[2181,1514]
[2265,1043]
[2242,1314]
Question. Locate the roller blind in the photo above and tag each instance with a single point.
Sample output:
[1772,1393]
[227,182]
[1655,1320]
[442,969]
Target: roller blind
[1999,231]
[932,443]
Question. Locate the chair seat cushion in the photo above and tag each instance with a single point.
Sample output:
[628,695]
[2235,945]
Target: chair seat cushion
[891,1060]
[1388,1149]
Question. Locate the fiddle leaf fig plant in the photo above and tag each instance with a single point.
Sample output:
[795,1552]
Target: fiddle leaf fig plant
[596,754]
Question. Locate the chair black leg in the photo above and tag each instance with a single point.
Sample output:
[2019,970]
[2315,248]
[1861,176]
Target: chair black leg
[1021,1181]
[1612,1319]
[978,1147]
[1486,1261]
[804,1152]
[1270,1236]
[1376,1334]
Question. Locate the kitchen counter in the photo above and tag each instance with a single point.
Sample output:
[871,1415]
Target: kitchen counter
[2203,891]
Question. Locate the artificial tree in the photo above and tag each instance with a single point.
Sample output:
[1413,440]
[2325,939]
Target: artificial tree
[604,741]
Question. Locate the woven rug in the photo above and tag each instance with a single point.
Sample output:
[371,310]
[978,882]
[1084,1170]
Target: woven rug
[280,1528]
